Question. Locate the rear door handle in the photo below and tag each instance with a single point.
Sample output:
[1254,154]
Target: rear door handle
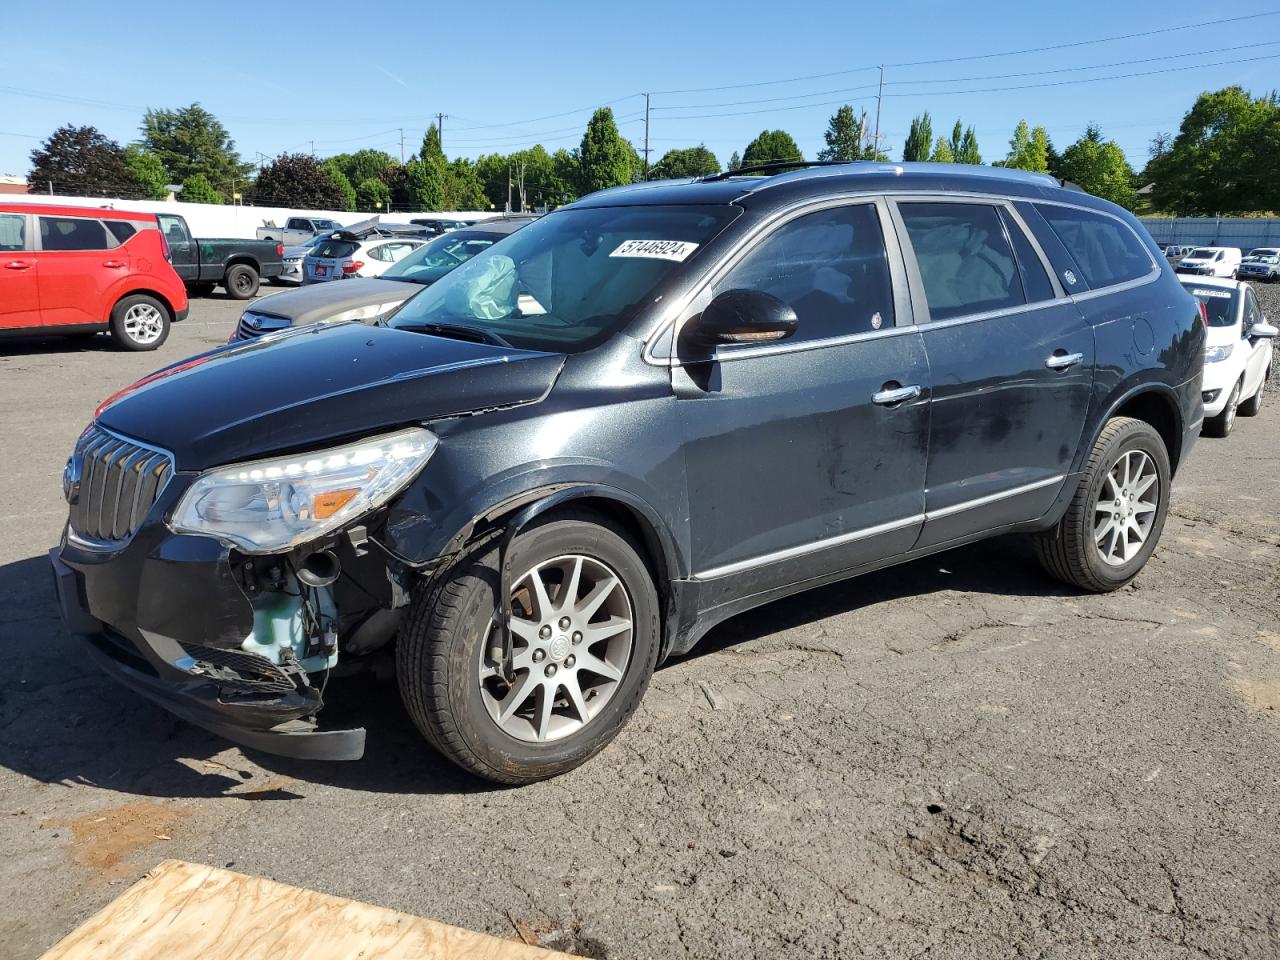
[113,263]
[890,396]
[1062,361]
[19,265]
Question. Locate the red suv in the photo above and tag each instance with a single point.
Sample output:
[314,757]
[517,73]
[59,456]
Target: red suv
[81,270]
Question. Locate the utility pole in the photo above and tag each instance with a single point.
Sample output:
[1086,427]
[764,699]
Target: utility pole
[402,146]
[313,147]
[440,119]
[646,137]
[875,146]
[508,186]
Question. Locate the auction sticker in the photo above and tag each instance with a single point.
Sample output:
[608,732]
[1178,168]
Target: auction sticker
[677,250]
[1220,294]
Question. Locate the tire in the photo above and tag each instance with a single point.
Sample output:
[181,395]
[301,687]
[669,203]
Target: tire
[1072,551]
[139,322]
[241,281]
[442,655]
[1251,406]
[1220,426]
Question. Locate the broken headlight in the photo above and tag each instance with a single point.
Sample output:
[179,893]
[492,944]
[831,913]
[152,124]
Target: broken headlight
[271,505]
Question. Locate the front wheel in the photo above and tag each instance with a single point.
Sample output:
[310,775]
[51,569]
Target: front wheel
[241,281]
[139,322]
[585,626]
[1220,426]
[1251,406]
[1114,521]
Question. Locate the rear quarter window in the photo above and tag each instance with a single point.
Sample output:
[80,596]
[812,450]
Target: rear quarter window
[1105,249]
[72,233]
[122,230]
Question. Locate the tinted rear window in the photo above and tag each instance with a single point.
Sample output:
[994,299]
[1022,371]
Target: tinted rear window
[1219,304]
[122,230]
[1105,249]
[333,249]
[70,233]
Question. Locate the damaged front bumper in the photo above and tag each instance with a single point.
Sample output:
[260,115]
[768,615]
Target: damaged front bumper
[164,616]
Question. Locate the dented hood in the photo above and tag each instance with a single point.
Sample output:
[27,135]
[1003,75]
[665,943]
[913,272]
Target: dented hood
[311,386]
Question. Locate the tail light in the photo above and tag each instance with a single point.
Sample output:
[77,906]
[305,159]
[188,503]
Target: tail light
[279,249]
[1204,314]
[352,266]
[164,245]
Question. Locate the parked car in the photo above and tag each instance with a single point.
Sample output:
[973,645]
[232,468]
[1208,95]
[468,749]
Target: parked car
[297,230]
[237,265]
[1176,251]
[1237,356]
[343,256]
[638,416]
[1211,262]
[1257,252]
[1265,269]
[80,270]
[291,274]
[437,225]
[371,298]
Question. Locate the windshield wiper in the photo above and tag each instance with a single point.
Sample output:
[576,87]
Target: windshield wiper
[458,331]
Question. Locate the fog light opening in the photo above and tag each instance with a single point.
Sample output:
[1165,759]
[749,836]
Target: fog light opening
[319,569]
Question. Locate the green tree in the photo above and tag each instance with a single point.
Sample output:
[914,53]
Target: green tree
[148,173]
[942,152]
[297,180]
[346,191]
[968,152]
[425,182]
[83,162]
[431,144]
[1099,167]
[491,171]
[843,136]
[463,190]
[735,161]
[685,162]
[770,147]
[919,138]
[191,140]
[566,174]
[604,158]
[1224,159]
[1028,149]
[197,189]
[957,138]
[362,165]
[373,196]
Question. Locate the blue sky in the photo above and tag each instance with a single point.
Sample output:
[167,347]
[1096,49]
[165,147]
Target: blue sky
[509,75]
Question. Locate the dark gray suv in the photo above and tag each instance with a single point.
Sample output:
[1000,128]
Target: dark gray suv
[651,410]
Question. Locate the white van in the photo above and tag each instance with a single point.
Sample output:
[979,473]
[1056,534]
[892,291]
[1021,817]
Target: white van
[1211,261]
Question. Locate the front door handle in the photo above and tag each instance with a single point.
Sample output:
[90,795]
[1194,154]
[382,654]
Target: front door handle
[19,265]
[891,395]
[1063,361]
[114,263]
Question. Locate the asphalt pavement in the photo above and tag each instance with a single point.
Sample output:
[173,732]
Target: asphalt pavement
[955,758]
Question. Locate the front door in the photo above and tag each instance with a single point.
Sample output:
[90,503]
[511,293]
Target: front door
[1012,365]
[801,459]
[19,291]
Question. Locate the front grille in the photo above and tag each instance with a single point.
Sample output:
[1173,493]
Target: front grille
[242,671]
[119,482]
[253,325]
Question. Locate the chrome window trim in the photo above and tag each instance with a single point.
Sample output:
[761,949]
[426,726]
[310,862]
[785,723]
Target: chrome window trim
[790,553]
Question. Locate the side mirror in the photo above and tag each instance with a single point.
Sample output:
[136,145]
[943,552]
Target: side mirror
[1264,329]
[742,316]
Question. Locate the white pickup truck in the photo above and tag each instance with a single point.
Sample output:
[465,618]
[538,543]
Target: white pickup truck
[297,230]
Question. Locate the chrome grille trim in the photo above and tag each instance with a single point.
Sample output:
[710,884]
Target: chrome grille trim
[120,481]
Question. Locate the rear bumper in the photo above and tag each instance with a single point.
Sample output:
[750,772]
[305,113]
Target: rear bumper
[272,717]
[179,315]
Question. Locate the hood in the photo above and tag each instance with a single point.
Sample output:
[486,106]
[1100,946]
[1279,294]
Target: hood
[318,302]
[309,387]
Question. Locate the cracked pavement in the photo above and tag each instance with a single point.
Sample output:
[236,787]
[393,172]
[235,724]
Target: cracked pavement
[957,758]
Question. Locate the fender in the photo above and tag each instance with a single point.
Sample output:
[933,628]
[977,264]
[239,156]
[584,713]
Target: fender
[1156,387]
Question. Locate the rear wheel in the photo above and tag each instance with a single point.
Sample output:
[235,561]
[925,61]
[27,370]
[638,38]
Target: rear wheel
[584,644]
[1115,519]
[139,322]
[241,281]
[1220,426]
[1251,406]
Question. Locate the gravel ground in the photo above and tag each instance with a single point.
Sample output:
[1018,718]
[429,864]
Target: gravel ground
[1268,295]
[954,758]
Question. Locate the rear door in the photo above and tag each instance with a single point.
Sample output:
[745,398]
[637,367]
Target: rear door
[79,262]
[183,253]
[1011,360]
[19,288]
[801,460]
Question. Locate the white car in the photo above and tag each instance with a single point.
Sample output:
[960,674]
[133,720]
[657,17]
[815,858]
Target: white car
[1237,354]
[1211,261]
[343,256]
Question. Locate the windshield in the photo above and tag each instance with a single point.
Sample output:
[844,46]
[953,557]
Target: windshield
[429,263]
[1263,253]
[1203,253]
[1219,304]
[568,281]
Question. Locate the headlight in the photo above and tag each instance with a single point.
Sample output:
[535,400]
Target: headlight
[1216,354]
[271,505]
[363,313]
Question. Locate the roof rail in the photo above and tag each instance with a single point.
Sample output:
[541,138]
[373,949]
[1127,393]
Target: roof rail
[773,165]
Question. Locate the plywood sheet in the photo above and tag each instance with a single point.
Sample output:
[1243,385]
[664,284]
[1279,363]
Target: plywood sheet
[185,911]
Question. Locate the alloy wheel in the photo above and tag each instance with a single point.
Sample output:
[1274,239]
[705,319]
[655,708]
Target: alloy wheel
[1126,508]
[1233,405]
[572,634]
[143,323]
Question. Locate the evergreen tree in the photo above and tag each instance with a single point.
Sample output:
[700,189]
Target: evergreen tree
[919,139]
[463,188]
[604,158]
[968,152]
[425,184]
[190,140]
[843,136]
[373,196]
[957,136]
[1028,149]
[197,189]
[942,152]
[735,161]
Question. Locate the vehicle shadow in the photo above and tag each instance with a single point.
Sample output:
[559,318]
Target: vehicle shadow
[63,721]
[37,344]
